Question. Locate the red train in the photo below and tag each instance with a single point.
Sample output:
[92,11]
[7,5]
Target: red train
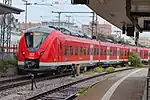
[47,48]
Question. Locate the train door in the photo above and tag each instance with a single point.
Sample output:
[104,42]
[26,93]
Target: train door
[60,52]
[149,56]
[118,53]
[91,53]
[108,54]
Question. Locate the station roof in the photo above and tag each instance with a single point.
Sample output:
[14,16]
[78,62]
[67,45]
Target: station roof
[118,12]
[9,9]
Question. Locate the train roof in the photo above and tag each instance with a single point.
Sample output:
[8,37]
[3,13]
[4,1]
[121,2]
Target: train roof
[43,29]
[109,44]
[71,31]
[78,39]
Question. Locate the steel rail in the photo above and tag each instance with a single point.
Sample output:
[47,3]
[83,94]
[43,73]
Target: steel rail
[70,84]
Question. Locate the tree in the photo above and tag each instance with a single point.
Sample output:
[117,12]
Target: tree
[134,60]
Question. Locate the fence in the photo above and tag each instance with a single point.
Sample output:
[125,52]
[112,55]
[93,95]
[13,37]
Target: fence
[13,48]
[8,53]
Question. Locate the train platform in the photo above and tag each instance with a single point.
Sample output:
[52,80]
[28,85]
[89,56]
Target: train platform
[129,85]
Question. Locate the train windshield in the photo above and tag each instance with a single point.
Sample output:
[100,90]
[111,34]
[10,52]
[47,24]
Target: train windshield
[35,36]
[34,40]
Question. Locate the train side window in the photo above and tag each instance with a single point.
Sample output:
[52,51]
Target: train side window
[66,50]
[84,51]
[101,52]
[126,53]
[120,52]
[81,51]
[97,51]
[105,52]
[94,51]
[116,52]
[111,52]
[71,50]
[88,51]
[76,51]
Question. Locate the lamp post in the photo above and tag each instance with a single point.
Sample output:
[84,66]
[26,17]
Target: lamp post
[26,12]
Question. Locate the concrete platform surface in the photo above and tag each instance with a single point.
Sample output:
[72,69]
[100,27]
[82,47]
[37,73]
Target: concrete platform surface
[127,85]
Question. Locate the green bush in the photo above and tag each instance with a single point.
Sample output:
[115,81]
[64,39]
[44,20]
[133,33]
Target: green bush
[140,65]
[134,59]
[4,65]
[99,69]
[110,69]
[89,72]
[12,62]
[119,66]
[82,91]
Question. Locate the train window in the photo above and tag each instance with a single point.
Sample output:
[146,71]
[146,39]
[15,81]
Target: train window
[140,53]
[66,50]
[101,52]
[146,54]
[94,51]
[124,52]
[84,51]
[88,51]
[71,50]
[111,52]
[127,53]
[76,51]
[120,52]
[116,52]
[97,51]
[81,51]
[105,52]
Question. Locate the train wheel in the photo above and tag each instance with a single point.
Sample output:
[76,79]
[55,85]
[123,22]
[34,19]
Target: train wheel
[60,70]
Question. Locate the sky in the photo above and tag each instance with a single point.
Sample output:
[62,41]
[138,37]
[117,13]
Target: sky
[38,13]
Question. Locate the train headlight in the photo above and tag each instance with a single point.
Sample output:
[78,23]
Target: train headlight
[23,53]
[41,54]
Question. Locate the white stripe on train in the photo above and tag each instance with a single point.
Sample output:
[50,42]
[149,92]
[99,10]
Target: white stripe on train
[72,62]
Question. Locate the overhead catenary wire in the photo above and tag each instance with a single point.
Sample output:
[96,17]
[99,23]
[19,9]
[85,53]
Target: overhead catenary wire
[52,5]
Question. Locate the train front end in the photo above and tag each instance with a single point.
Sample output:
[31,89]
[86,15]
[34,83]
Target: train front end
[33,49]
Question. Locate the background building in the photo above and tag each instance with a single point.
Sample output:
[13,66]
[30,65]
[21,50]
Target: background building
[104,29]
[56,23]
[144,41]
[29,25]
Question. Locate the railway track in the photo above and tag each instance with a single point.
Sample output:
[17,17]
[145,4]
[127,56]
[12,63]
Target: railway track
[12,79]
[21,81]
[67,91]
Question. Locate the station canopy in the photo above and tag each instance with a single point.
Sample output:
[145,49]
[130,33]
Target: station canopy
[128,12]
[4,9]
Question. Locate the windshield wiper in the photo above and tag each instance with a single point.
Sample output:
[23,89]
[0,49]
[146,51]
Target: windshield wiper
[39,43]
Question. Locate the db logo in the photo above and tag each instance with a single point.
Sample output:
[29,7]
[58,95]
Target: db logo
[31,54]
